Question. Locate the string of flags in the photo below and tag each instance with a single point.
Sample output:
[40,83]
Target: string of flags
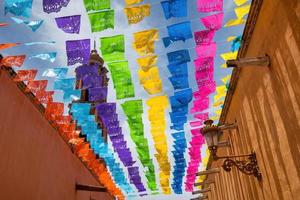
[90,122]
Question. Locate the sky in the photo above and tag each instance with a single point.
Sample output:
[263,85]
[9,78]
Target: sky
[49,32]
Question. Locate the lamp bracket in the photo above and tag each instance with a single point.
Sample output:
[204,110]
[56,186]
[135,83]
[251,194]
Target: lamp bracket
[228,126]
[245,62]
[248,167]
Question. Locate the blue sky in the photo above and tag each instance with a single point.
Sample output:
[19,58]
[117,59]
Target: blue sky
[49,32]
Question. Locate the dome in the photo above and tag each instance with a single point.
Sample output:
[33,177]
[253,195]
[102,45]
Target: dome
[95,58]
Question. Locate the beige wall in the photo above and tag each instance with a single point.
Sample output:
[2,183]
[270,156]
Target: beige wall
[35,162]
[266,106]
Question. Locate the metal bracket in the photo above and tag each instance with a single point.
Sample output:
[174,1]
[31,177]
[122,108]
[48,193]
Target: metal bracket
[248,167]
[90,188]
[247,62]
[224,144]
[206,182]
[200,198]
[201,191]
[210,171]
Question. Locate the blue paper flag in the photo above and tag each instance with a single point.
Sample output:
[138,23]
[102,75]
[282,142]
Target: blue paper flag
[18,7]
[36,43]
[181,31]
[34,25]
[178,69]
[174,8]
[45,56]
[178,57]
[71,95]
[179,82]
[64,84]
[236,44]
[56,73]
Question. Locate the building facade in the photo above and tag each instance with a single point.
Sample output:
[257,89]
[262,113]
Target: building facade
[36,163]
[264,101]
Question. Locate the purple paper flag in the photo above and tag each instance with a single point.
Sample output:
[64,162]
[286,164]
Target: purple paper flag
[69,24]
[78,51]
[97,94]
[92,81]
[86,70]
[50,6]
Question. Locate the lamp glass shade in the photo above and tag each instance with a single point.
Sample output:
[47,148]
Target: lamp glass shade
[211,138]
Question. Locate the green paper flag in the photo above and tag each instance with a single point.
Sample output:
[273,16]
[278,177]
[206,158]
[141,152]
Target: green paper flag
[125,92]
[133,110]
[113,48]
[102,20]
[121,77]
[96,5]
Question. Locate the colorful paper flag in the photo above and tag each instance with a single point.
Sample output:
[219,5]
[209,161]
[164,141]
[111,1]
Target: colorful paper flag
[137,13]
[102,20]
[69,24]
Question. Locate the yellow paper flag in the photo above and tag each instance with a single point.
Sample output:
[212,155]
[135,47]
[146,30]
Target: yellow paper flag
[221,92]
[242,11]
[226,79]
[157,119]
[218,112]
[240,2]
[147,62]
[221,89]
[229,55]
[218,103]
[151,75]
[230,38]
[215,118]
[235,22]
[144,41]
[137,13]
[131,2]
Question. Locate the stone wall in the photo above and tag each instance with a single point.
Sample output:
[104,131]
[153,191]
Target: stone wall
[35,162]
[266,107]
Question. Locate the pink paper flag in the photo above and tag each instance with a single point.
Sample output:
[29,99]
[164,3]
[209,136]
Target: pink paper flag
[213,22]
[206,50]
[195,155]
[196,123]
[205,36]
[204,78]
[206,62]
[205,90]
[200,105]
[195,131]
[209,5]
[201,116]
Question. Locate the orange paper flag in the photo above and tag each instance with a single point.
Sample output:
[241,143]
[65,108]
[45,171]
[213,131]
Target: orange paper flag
[8,45]
[25,75]
[63,119]
[54,110]
[44,97]
[13,61]
[35,86]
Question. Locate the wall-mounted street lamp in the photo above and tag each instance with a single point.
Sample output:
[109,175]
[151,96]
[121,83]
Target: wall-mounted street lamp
[248,166]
